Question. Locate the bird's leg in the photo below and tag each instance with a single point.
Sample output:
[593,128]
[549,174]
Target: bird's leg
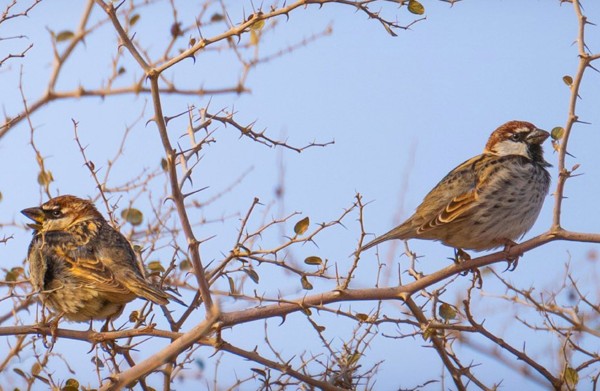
[461,256]
[512,260]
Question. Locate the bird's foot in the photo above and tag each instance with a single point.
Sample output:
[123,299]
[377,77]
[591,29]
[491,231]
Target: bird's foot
[460,256]
[511,260]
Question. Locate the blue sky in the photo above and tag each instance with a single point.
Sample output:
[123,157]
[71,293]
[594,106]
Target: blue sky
[402,110]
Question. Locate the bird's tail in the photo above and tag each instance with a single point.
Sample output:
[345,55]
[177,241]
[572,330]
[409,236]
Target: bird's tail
[400,232]
[149,292]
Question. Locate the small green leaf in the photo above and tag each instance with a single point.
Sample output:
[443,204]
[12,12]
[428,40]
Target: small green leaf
[447,312]
[45,177]
[216,17]
[134,19]
[571,377]
[71,385]
[64,36]
[252,274]
[362,317]
[557,133]
[301,226]
[415,7]
[155,266]
[313,261]
[185,265]
[568,80]
[305,283]
[132,216]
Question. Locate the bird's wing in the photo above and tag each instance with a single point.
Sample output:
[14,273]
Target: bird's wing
[94,271]
[455,196]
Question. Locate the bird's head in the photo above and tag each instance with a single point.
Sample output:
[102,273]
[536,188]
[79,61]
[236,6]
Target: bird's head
[517,138]
[60,213]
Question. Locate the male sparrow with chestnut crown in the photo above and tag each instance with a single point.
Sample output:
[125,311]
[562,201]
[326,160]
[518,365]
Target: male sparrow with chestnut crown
[82,267]
[488,201]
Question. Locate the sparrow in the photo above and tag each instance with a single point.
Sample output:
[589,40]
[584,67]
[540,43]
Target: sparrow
[81,266]
[490,200]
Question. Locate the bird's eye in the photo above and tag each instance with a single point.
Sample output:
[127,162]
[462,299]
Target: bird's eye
[515,137]
[56,213]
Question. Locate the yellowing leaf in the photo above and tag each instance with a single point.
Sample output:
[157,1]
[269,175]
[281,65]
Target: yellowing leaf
[132,216]
[571,377]
[313,261]
[64,36]
[254,37]
[259,24]
[45,177]
[134,19]
[301,226]
[305,283]
[557,133]
[155,266]
[415,7]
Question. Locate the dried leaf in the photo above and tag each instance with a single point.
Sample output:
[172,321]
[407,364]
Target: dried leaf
[301,226]
[134,316]
[313,261]
[231,285]
[259,371]
[568,80]
[97,362]
[36,368]
[252,274]
[305,283]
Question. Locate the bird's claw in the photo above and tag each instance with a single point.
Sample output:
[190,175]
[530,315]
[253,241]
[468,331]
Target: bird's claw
[511,260]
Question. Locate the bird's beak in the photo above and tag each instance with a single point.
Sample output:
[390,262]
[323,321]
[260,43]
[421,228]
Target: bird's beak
[537,136]
[36,214]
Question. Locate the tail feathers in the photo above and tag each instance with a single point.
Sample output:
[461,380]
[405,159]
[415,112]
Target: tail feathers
[396,233]
[143,289]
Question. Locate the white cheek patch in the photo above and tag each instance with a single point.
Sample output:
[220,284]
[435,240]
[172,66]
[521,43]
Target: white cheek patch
[508,147]
[57,225]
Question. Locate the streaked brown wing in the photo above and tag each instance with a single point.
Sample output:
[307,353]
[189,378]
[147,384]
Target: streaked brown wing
[462,188]
[94,272]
